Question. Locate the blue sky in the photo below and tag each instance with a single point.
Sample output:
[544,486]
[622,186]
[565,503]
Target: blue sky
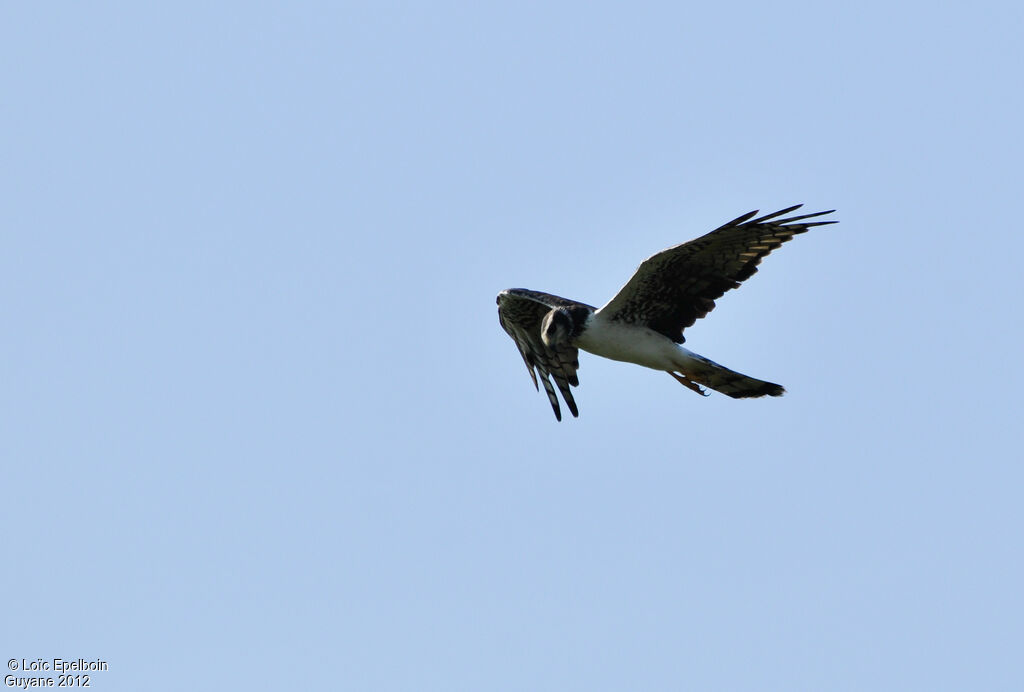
[260,427]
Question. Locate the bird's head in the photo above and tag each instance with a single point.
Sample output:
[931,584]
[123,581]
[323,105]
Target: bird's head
[556,328]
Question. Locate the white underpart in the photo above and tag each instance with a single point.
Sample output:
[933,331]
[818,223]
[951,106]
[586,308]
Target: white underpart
[633,344]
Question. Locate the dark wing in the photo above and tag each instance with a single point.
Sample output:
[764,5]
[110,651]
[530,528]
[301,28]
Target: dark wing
[674,288]
[520,312]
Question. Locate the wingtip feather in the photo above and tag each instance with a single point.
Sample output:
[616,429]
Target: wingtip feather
[739,219]
[773,215]
[809,216]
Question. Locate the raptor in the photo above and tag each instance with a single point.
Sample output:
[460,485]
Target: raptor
[644,322]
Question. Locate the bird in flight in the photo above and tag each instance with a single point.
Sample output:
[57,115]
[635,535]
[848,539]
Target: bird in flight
[644,322]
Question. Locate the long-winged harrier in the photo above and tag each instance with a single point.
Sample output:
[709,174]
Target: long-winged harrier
[644,322]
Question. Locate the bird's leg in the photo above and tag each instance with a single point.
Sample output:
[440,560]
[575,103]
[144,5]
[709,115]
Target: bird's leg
[688,384]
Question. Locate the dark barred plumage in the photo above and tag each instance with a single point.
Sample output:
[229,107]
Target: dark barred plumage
[521,312]
[674,288]
[644,322]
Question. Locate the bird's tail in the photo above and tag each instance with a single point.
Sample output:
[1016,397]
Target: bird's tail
[698,370]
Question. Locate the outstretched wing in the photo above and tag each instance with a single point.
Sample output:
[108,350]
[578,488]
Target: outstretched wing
[674,288]
[520,312]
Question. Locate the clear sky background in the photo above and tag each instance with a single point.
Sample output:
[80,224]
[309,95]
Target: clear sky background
[260,428]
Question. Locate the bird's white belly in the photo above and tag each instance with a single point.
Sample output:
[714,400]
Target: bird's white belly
[630,343]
